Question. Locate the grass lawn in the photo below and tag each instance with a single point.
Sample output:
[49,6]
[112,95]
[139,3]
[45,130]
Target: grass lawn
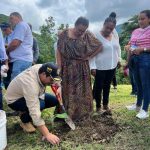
[134,133]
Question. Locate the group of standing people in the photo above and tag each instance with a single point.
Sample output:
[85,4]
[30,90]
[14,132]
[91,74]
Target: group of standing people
[79,55]
[79,52]
[19,45]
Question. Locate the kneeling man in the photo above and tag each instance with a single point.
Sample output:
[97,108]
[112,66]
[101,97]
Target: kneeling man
[26,94]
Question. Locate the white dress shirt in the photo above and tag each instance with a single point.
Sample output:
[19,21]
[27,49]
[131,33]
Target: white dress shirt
[109,56]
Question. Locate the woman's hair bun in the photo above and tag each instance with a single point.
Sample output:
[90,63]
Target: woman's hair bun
[112,15]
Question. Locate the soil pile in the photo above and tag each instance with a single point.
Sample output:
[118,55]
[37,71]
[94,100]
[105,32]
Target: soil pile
[96,129]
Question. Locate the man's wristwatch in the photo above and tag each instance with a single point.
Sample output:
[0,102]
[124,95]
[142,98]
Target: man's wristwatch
[145,49]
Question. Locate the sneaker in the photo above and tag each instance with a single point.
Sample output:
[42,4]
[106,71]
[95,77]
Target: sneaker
[142,114]
[133,107]
[27,127]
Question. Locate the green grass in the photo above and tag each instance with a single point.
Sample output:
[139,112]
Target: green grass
[134,133]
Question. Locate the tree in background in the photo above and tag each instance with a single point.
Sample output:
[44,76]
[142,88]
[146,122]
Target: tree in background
[126,31]
[63,26]
[46,41]
[47,38]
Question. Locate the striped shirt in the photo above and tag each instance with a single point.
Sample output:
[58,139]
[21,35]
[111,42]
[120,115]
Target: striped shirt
[141,37]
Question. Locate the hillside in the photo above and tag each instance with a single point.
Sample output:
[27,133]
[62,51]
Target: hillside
[3,18]
[119,28]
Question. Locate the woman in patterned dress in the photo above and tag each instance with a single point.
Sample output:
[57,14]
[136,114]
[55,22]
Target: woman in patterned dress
[74,49]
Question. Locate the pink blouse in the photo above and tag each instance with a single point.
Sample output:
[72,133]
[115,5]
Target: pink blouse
[141,37]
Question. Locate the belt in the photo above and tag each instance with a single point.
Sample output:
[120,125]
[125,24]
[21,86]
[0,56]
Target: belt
[145,53]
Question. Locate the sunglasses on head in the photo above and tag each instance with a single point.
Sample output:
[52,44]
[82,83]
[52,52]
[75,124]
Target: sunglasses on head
[49,70]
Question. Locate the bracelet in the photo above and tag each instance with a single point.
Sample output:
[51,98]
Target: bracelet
[145,49]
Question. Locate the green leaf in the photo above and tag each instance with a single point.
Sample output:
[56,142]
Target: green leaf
[62,116]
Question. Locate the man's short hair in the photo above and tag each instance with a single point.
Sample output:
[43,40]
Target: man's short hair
[16,14]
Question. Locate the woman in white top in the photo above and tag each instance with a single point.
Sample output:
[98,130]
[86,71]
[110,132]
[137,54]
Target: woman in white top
[103,65]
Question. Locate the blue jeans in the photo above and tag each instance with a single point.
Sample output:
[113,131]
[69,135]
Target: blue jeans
[19,66]
[132,80]
[141,70]
[20,105]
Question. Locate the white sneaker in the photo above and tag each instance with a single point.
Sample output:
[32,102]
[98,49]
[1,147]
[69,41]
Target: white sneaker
[142,114]
[133,107]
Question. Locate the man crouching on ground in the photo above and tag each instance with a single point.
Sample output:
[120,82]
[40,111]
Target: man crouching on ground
[26,94]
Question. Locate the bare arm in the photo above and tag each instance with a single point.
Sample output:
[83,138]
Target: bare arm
[128,57]
[49,136]
[35,50]
[13,45]
[58,58]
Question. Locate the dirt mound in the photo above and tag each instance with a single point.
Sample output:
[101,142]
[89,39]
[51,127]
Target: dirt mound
[96,129]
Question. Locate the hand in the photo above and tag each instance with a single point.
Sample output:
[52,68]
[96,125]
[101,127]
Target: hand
[57,84]
[137,51]
[119,64]
[93,72]
[127,47]
[53,139]
[3,71]
[4,68]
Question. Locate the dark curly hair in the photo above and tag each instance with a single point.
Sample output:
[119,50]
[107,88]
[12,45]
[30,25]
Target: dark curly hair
[82,21]
[111,18]
[146,12]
